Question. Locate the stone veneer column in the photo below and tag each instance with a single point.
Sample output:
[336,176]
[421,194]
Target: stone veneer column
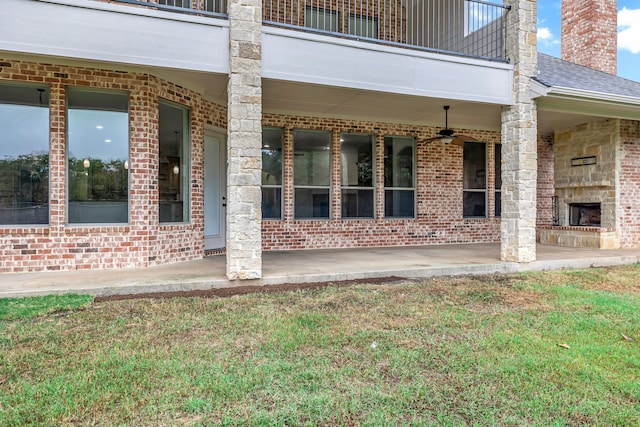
[519,139]
[244,141]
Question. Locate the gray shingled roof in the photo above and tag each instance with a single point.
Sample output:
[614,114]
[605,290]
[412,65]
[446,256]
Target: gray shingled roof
[557,72]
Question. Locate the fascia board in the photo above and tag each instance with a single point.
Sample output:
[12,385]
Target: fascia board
[592,96]
[589,106]
[538,89]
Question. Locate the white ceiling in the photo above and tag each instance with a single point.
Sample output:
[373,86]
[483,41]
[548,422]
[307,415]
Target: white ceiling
[281,97]
[325,101]
[306,99]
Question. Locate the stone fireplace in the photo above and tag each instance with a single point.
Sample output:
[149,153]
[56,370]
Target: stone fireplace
[585,215]
[585,182]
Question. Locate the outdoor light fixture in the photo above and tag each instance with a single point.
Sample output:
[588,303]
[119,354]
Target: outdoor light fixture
[176,169]
[86,163]
[126,164]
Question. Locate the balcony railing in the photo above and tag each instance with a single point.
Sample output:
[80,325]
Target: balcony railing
[472,28]
[198,7]
[462,27]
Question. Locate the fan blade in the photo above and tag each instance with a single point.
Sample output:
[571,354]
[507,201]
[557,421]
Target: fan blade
[457,141]
[466,138]
[428,140]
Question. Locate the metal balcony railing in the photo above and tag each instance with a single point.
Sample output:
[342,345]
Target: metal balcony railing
[471,28]
[216,8]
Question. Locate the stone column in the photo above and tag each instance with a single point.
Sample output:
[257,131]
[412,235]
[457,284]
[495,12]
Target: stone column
[244,141]
[519,139]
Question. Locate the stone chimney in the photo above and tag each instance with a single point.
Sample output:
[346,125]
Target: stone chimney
[590,33]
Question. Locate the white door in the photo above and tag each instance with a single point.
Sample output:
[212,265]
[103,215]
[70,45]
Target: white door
[215,191]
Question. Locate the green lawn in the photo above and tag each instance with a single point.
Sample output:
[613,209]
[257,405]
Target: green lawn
[450,351]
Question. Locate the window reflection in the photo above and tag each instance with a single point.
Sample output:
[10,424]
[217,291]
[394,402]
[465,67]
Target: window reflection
[98,157]
[173,172]
[24,155]
[475,180]
[399,197]
[271,173]
[357,170]
[311,173]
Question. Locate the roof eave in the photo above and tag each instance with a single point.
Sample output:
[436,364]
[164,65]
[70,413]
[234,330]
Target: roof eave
[588,103]
[590,96]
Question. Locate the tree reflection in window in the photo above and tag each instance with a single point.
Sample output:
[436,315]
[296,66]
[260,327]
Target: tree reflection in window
[98,156]
[24,154]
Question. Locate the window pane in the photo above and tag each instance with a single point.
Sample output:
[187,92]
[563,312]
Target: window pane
[399,204]
[24,155]
[475,178]
[398,162]
[272,203]
[363,26]
[356,156]
[320,19]
[498,179]
[357,170]
[474,166]
[272,157]
[98,157]
[271,173]
[474,204]
[498,166]
[311,158]
[357,204]
[311,203]
[173,173]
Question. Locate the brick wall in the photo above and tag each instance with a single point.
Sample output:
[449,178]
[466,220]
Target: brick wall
[142,242]
[589,33]
[439,193]
[630,184]
[545,188]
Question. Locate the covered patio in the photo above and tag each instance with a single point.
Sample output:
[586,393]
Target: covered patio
[311,266]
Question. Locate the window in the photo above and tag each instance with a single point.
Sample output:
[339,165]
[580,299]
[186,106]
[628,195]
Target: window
[399,183]
[271,173]
[498,179]
[321,19]
[176,3]
[173,165]
[24,154]
[311,174]
[363,26]
[475,180]
[98,156]
[357,169]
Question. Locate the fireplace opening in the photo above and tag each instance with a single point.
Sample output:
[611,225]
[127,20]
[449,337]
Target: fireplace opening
[584,214]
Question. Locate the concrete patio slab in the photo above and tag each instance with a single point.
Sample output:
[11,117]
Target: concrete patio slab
[310,266]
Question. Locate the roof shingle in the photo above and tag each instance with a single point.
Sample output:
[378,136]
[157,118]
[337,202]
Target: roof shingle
[557,72]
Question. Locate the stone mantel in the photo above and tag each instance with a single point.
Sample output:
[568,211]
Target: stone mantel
[591,184]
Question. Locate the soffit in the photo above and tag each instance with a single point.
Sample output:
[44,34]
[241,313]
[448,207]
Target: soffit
[326,101]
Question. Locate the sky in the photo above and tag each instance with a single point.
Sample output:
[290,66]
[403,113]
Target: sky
[628,34]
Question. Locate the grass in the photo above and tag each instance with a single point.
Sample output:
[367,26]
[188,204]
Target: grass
[25,308]
[449,351]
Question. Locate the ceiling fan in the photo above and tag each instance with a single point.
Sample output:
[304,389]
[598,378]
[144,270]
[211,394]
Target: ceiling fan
[447,135]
